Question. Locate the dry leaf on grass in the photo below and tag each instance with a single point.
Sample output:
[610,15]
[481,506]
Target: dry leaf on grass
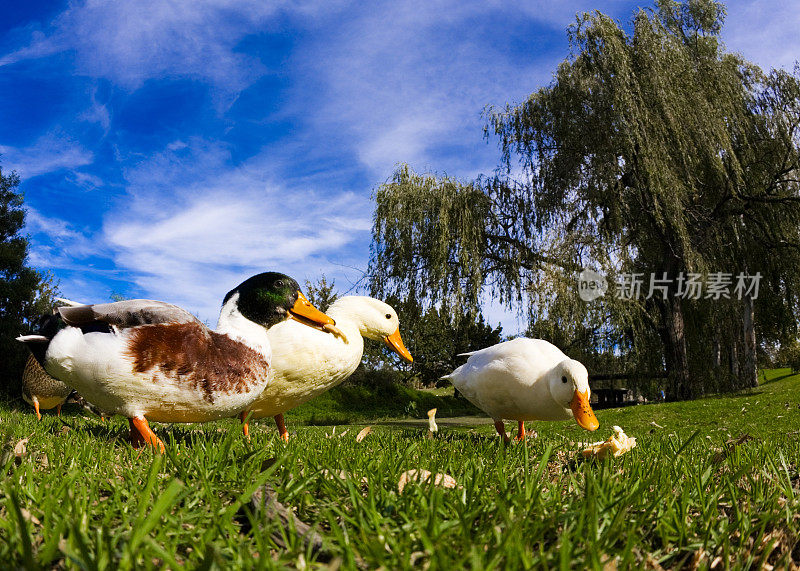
[20,448]
[422,476]
[363,434]
[28,516]
[618,443]
[432,427]
[730,445]
[651,563]
[333,433]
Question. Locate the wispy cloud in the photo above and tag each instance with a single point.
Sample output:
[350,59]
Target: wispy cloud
[129,42]
[189,242]
[405,82]
[765,33]
[58,245]
[49,153]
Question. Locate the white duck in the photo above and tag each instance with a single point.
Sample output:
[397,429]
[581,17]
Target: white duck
[525,379]
[307,362]
[152,360]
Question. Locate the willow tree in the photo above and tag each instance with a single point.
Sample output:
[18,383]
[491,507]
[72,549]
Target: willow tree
[654,151]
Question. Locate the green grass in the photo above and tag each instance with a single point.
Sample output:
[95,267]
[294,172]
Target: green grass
[349,404]
[80,497]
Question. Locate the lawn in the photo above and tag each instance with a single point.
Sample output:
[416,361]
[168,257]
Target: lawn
[712,484]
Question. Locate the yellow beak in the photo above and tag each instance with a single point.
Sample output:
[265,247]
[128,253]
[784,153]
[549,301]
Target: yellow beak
[584,415]
[395,343]
[304,312]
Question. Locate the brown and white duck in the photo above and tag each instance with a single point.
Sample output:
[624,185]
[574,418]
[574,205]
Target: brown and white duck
[150,360]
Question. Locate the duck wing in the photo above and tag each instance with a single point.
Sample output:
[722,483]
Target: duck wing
[123,314]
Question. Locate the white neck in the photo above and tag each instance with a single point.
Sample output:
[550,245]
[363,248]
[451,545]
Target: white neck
[353,309]
[236,326]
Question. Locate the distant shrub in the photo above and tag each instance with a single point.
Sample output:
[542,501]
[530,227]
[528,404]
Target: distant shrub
[789,356]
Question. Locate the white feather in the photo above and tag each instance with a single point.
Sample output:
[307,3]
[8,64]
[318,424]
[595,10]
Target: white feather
[515,380]
[307,362]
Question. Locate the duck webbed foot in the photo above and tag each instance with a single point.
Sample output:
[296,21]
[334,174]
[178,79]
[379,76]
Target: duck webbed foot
[282,427]
[142,435]
[521,431]
[245,423]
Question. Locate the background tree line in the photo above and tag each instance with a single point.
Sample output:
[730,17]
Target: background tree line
[652,151]
[431,335]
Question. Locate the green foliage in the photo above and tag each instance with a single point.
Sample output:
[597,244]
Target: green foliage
[789,355]
[321,294]
[676,156]
[436,340]
[25,294]
[80,498]
[375,395]
[429,239]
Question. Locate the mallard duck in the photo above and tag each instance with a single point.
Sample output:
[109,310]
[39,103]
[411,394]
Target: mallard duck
[150,360]
[525,379]
[41,390]
[307,362]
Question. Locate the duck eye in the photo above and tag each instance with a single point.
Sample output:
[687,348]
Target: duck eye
[279,283]
[388,316]
[564,380]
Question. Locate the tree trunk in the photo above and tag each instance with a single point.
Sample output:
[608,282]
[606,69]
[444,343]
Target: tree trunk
[716,356]
[749,376]
[679,386]
[734,358]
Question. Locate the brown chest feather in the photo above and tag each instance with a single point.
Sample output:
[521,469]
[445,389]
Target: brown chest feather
[190,353]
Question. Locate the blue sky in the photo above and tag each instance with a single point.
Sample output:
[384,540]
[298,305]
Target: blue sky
[168,150]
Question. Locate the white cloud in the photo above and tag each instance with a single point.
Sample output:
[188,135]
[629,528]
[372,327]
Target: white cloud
[131,41]
[64,243]
[765,33]
[189,237]
[97,113]
[406,82]
[51,152]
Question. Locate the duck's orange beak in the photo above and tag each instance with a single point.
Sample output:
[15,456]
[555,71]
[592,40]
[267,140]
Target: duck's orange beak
[304,312]
[584,415]
[395,343]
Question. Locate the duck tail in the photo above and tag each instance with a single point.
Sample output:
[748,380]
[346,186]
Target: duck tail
[68,302]
[38,342]
[33,339]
